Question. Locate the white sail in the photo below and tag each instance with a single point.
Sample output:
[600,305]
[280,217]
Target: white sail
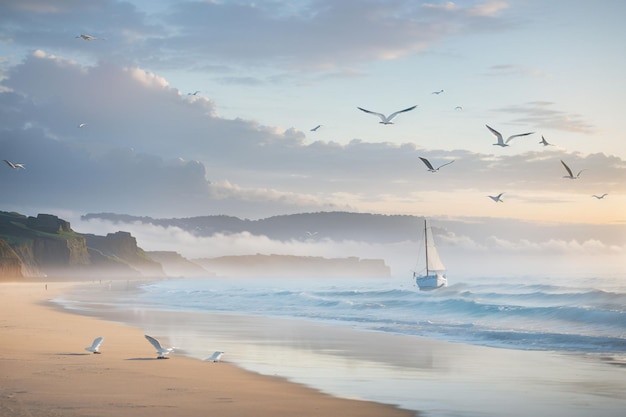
[435,276]
[434,263]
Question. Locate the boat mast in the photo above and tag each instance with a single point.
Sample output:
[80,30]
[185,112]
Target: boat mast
[426,245]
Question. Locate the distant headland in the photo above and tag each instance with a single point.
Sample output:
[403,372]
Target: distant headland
[46,246]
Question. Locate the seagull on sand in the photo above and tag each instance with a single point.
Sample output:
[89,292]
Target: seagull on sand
[501,141]
[89,37]
[544,142]
[496,198]
[600,197]
[437,92]
[215,357]
[315,128]
[386,120]
[161,351]
[14,165]
[95,346]
[570,175]
[430,166]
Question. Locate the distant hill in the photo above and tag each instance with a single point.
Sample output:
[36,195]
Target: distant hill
[277,266]
[363,227]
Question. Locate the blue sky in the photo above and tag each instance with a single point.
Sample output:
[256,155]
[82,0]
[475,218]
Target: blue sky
[269,71]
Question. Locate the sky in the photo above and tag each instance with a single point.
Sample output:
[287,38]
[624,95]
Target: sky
[267,72]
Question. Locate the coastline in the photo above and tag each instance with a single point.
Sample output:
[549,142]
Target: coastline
[437,378]
[45,371]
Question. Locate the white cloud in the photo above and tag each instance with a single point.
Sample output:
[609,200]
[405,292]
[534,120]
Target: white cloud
[490,8]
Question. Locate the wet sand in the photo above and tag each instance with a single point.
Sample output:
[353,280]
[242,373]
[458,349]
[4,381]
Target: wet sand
[45,371]
[440,379]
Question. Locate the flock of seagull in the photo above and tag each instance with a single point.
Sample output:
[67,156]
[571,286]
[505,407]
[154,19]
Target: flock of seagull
[387,120]
[161,351]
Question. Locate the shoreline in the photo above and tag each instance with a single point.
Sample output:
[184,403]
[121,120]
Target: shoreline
[437,378]
[46,371]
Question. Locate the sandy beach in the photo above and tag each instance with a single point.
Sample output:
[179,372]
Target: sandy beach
[45,371]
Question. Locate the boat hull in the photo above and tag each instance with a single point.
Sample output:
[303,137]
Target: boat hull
[431,282]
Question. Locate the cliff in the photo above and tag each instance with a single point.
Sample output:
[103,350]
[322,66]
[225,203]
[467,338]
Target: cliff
[46,245]
[122,246]
[289,266]
[10,262]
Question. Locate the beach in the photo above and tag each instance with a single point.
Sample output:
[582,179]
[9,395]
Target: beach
[274,365]
[45,371]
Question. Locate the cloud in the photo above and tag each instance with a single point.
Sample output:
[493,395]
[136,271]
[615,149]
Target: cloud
[489,8]
[542,114]
[317,35]
[151,149]
[505,70]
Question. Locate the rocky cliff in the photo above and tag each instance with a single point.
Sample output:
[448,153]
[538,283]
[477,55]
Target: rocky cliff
[46,245]
[10,262]
[122,246]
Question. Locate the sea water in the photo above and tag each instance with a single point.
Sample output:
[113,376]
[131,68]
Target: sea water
[543,345]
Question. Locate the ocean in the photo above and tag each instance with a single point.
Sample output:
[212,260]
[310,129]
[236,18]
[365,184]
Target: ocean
[488,342]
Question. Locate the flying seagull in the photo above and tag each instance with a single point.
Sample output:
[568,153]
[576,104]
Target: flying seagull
[89,37]
[501,141]
[95,346]
[600,197]
[496,198]
[430,166]
[82,125]
[437,92]
[215,357]
[315,128]
[386,120]
[14,165]
[544,142]
[458,108]
[570,175]
[161,351]
[194,93]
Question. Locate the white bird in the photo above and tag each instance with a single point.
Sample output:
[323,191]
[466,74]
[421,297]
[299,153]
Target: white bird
[82,125]
[501,141]
[310,234]
[194,93]
[600,197]
[161,351]
[14,165]
[89,37]
[544,142]
[386,120]
[430,166]
[437,92]
[496,198]
[570,175]
[95,346]
[315,128]
[215,357]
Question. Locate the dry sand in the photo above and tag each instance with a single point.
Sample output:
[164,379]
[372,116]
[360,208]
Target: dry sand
[45,371]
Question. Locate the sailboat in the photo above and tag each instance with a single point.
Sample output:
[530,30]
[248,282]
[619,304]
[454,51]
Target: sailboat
[435,270]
